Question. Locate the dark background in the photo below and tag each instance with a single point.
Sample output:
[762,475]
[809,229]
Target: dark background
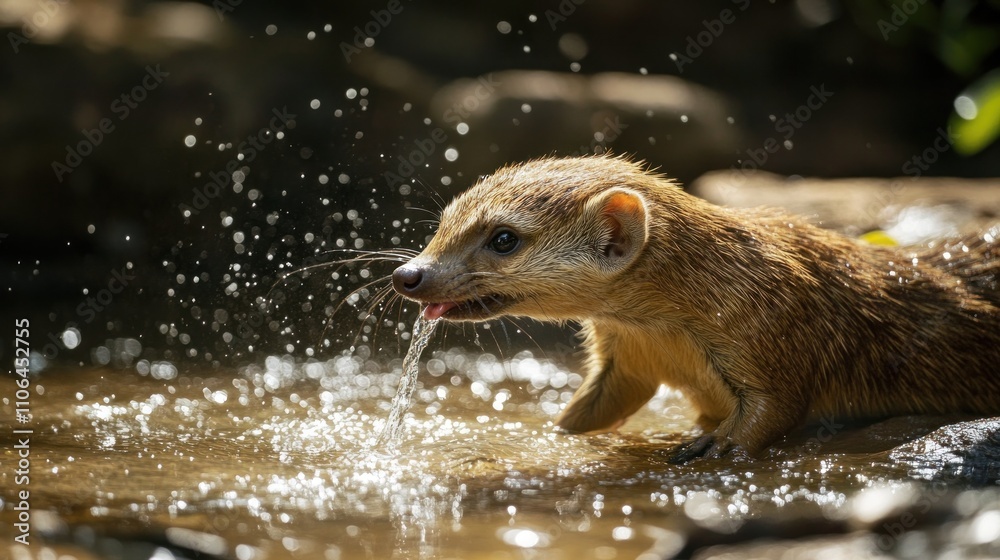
[203,286]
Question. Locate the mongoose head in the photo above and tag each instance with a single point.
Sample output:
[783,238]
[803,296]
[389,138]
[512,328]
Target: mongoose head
[544,239]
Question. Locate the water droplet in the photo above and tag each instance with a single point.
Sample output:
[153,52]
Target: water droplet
[451,154]
[71,338]
[314,104]
[102,355]
[503,27]
[621,533]
[271,29]
[966,107]
[573,46]
[190,140]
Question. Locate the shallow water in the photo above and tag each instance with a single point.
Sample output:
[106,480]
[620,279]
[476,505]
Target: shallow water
[280,460]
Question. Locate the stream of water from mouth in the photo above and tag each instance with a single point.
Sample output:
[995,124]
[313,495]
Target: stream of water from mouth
[392,432]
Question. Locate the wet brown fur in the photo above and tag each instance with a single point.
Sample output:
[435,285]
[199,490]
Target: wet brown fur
[759,318]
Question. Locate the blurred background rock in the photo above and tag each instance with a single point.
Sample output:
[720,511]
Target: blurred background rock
[131,230]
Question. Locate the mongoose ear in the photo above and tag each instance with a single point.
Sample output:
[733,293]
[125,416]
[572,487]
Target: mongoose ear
[623,212]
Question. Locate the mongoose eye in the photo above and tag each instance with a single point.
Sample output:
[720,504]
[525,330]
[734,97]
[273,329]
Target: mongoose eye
[504,242]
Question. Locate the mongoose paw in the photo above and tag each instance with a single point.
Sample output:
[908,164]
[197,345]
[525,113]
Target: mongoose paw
[692,449]
[708,446]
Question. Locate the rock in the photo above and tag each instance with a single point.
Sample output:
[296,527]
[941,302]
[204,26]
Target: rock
[969,451]
[911,210]
[574,114]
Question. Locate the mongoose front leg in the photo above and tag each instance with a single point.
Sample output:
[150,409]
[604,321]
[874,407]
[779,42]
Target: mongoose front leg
[606,399]
[757,421]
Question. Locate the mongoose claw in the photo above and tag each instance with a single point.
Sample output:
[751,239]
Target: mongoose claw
[692,449]
[708,446]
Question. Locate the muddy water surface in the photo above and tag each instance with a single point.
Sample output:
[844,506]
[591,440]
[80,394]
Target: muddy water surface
[280,460]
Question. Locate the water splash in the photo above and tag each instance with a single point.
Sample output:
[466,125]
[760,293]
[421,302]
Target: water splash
[423,329]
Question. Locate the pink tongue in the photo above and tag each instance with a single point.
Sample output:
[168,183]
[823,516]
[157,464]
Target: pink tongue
[436,310]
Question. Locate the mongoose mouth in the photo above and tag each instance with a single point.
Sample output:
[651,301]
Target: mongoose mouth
[475,309]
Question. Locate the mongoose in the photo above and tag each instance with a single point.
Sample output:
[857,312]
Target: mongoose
[760,319]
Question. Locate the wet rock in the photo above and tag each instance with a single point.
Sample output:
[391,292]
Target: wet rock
[969,451]
[951,448]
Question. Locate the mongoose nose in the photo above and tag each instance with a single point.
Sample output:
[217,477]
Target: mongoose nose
[407,278]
